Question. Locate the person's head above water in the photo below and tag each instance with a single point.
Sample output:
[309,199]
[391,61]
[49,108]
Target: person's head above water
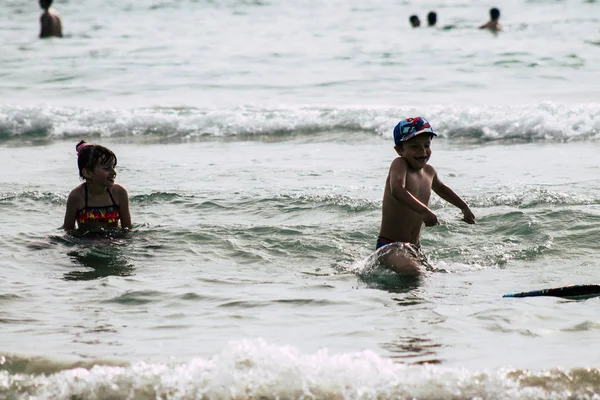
[45,4]
[432,18]
[91,156]
[414,21]
[494,13]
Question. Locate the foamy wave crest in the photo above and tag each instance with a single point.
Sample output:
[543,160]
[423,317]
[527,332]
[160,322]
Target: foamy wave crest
[346,203]
[178,123]
[530,197]
[545,121]
[257,370]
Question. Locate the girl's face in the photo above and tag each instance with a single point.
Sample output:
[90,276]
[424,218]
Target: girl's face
[102,175]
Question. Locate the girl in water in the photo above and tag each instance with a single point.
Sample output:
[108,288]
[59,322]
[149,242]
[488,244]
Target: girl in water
[98,203]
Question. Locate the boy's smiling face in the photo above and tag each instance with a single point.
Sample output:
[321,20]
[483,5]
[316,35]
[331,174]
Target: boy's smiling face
[416,151]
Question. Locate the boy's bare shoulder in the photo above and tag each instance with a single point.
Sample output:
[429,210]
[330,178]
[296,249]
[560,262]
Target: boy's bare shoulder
[429,169]
[398,162]
[398,167]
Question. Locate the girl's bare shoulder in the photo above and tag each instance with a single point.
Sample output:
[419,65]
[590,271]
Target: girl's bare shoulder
[119,192]
[76,198]
[77,192]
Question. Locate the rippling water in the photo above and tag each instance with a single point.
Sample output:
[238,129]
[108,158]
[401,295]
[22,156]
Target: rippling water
[254,139]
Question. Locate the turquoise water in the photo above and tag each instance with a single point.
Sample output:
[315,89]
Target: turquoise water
[254,139]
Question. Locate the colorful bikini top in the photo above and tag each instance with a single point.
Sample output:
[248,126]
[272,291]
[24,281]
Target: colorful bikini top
[105,215]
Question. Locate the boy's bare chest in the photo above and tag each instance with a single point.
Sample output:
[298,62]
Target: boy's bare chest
[419,185]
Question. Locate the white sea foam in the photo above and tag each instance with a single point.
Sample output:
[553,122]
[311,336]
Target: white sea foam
[254,369]
[544,121]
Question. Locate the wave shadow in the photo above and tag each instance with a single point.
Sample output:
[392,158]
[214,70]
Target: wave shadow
[101,255]
[101,263]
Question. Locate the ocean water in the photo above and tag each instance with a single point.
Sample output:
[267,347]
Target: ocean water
[254,138]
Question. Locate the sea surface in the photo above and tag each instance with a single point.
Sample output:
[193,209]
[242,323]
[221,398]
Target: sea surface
[254,138]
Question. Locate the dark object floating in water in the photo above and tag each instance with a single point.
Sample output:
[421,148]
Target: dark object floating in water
[574,292]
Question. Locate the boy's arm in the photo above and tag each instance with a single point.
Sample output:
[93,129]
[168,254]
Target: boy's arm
[448,194]
[398,190]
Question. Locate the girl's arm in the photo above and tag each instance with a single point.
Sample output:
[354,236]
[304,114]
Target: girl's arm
[124,208]
[71,213]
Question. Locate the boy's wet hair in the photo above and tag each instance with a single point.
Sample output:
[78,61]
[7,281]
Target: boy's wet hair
[494,13]
[90,156]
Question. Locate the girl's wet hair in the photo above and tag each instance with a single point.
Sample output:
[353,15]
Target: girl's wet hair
[91,156]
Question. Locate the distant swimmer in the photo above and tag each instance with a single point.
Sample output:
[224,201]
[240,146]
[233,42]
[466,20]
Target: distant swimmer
[432,18]
[415,22]
[49,21]
[493,24]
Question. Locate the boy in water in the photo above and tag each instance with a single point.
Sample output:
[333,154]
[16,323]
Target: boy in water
[493,24]
[49,21]
[407,191]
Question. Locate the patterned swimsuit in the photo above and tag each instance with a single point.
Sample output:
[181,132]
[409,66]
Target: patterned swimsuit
[103,215]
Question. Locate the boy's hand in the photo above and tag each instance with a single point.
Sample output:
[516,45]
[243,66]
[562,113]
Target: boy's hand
[468,216]
[429,218]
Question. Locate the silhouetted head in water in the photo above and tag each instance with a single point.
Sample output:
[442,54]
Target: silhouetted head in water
[414,21]
[494,13]
[432,18]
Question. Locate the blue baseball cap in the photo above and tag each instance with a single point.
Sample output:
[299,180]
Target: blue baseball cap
[411,127]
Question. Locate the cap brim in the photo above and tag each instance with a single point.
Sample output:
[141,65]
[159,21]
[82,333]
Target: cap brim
[425,131]
[412,135]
